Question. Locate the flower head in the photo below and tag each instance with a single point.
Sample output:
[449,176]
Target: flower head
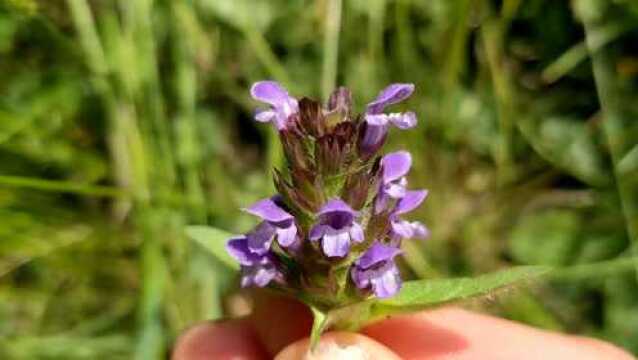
[333,191]
[336,228]
[375,270]
[282,105]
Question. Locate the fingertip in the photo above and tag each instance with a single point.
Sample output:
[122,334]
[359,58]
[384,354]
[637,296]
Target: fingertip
[338,345]
[601,349]
[452,333]
[234,339]
[279,321]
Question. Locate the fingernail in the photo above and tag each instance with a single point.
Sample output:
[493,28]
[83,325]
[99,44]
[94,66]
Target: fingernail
[330,349]
[338,345]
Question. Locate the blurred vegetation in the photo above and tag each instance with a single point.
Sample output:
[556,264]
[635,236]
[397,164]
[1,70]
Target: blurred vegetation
[123,121]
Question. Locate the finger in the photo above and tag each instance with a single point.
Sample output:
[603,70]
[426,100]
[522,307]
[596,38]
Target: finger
[279,321]
[338,345]
[451,333]
[234,339]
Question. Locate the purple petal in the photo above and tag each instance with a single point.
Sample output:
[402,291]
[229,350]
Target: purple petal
[373,138]
[390,95]
[359,277]
[265,115]
[268,210]
[396,189]
[264,275]
[258,275]
[388,284]
[377,119]
[419,230]
[356,233]
[395,165]
[376,254]
[403,121]
[410,201]
[336,244]
[269,92]
[260,239]
[336,205]
[237,247]
[318,231]
[287,236]
[381,201]
[402,228]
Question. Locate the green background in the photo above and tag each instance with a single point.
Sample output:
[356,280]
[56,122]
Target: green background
[121,122]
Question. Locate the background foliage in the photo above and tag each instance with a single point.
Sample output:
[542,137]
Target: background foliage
[123,121]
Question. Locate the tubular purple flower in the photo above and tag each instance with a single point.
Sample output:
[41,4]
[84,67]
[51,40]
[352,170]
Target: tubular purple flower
[256,269]
[377,123]
[336,228]
[395,167]
[276,222]
[375,270]
[403,229]
[282,104]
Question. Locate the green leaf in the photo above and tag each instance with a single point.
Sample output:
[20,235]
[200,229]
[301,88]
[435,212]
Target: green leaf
[319,324]
[213,240]
[420,294]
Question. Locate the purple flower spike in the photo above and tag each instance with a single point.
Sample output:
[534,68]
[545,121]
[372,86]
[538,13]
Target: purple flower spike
[377,123]
[392,94]
[376,270]
[256,269]
[282,104]
[336,228]
[276,222]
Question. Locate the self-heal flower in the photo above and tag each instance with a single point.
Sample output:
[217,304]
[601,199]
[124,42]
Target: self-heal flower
[310,239]
[276,222]
[257,269]
[377,123]
[336,228]
[395,167]
[375,270]
[282,105]
[403,229]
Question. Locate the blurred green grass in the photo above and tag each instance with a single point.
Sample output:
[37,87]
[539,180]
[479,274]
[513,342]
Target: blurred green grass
[123,121]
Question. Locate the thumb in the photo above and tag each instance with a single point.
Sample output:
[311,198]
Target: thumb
[338,345]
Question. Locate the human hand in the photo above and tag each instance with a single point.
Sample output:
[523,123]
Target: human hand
[279,327]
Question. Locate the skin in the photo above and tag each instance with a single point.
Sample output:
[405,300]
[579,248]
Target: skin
[278,328]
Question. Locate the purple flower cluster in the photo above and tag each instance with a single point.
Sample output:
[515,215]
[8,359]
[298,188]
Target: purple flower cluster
[339,202]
